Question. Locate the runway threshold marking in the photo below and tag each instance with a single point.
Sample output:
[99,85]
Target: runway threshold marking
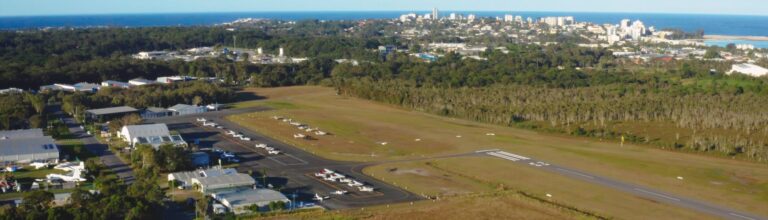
[658,194]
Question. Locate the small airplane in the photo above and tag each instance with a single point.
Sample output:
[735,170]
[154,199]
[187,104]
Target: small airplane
[299,136]
[74,176]
[71,166]
[320,198]
[39,165]
[339,192]
[365,189]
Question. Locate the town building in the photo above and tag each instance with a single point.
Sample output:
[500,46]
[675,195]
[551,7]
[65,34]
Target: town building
[155,112]
[79,87]
[150,55]
[184,109]
[11,90]
[106,114]
[141,82]
[27,146]
[154,135]
[748,69]
[216,183]
[115,84]
[239,201]
[184,179]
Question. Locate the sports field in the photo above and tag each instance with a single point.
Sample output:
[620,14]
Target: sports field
[367,131]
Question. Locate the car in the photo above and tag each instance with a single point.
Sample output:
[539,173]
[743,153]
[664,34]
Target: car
[244,138]
[220,127]
[261,146]
[274,152]
[201,120]
[227,154]
[217,150]
[232,160]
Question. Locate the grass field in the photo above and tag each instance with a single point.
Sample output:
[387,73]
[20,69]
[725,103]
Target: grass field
[501,205]
[458,176]
[359,128]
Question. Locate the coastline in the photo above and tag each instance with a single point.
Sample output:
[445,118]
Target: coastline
[734,37]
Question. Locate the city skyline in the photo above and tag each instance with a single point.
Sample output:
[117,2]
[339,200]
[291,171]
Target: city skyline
[86,7]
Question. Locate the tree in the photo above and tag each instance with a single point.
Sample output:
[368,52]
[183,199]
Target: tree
[202,206]
[712,53]
[197,100]
[37,201]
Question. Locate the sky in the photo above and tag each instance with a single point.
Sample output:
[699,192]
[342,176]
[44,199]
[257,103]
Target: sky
[78,7]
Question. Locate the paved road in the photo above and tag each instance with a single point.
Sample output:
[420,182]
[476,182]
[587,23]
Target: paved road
[645,192]
[109,159]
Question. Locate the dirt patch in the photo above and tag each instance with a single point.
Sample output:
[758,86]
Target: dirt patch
[419,172]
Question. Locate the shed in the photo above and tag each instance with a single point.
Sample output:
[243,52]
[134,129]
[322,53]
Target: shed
[155,112]
[217,183]
[28,150]
[184,109]
[105,114]
[239,200]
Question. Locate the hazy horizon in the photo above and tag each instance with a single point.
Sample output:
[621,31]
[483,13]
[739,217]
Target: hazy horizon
[96,7]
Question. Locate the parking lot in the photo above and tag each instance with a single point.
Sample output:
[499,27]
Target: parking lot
[292,170]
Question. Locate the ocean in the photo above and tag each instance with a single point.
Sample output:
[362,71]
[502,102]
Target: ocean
[741,25]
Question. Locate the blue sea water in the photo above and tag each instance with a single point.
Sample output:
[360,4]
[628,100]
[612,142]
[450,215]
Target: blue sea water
[711,24]
[724,43]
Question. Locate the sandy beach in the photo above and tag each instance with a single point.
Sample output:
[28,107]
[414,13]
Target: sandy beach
[729,37]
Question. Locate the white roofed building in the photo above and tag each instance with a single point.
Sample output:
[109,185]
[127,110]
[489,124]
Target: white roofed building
[748,69]
[239,201]
[151,134]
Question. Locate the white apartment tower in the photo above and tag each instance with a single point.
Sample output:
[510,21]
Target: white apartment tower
[435,14]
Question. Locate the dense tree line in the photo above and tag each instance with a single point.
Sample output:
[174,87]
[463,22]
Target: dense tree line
[22,110]
[29,59]
[596,107]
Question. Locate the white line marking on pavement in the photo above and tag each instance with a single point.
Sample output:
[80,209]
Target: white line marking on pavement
[741,216]
[483,151]
[657,194]
[576,173]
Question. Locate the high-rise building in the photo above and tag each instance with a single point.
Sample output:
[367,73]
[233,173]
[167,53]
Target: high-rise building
[453,17]
[624,24]
[435,14]
[509,18]
[471,17]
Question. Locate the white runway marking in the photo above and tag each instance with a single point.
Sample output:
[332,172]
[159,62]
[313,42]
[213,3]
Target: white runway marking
[741,216]
[657,194]
[576,173]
